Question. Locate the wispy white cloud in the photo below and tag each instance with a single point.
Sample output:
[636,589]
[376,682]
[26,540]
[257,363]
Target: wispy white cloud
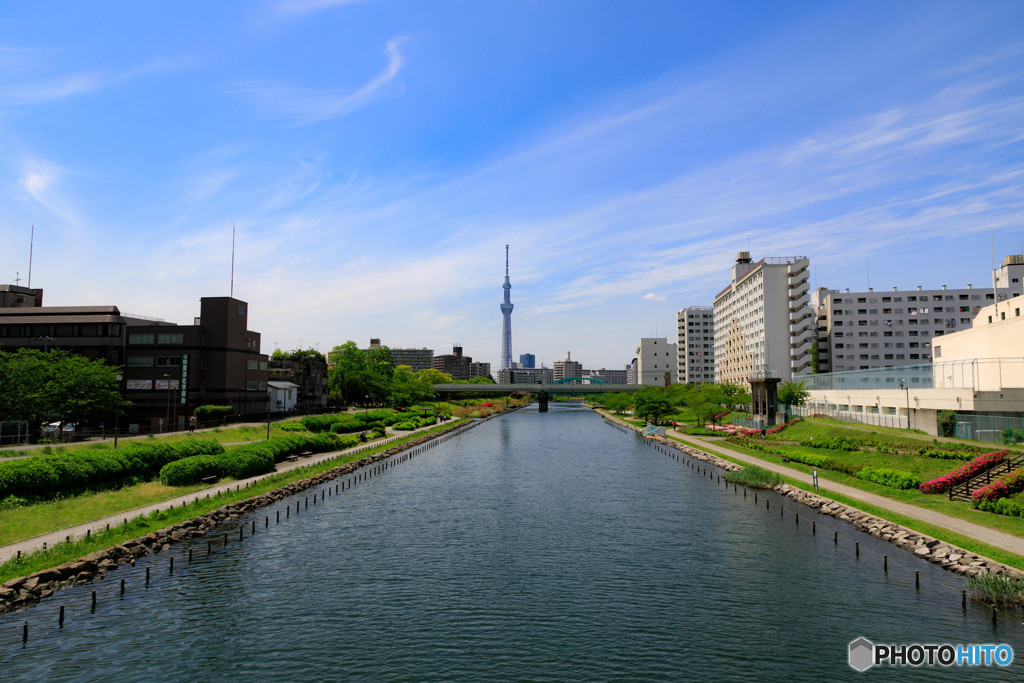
[306,6]
[40,179]
[305,106]
[653,297]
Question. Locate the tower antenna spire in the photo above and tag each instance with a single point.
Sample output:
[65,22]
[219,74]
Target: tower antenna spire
[506,321]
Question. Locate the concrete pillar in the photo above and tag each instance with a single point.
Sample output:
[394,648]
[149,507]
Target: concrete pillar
[542,397]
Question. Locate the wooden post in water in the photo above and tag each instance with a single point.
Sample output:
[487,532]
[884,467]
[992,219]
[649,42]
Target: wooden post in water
[963,599]
[885,563]
[190,555]
[60,619]
[835,538]
[857,548]
[917,580]
[147,577]
[122,586]
[94,601]
[24,634]
[172,565]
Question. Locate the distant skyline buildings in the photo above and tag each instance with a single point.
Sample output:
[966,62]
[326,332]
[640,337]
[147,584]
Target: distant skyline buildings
[527,360]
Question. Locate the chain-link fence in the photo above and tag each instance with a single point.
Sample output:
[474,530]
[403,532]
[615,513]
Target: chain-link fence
[991,428]
[13,433]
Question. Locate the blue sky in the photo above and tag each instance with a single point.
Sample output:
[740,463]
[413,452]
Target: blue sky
[375,157]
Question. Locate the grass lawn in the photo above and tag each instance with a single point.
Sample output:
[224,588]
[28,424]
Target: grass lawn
[41,518]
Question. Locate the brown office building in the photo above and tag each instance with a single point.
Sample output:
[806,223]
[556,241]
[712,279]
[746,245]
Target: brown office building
[168,369]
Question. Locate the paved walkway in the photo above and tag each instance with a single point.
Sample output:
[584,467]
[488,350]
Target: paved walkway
[35,543]
[993,537]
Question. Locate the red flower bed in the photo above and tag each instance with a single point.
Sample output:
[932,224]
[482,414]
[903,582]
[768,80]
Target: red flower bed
[1005,486]
[487,405]
[963,473]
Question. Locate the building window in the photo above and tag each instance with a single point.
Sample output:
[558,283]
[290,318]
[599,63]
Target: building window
[140,339]
[252,364]
[170,338]
[165,361]
[140,361]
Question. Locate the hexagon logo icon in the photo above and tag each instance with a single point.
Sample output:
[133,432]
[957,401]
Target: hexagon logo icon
[862,654]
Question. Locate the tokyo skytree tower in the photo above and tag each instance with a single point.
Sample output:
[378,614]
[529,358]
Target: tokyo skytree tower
[506,322]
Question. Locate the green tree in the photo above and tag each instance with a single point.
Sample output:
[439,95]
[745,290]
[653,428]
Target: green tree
[793,394]
[617,402]
[406,389]
[946,422]
[56,386]
[433,376]
[652,404]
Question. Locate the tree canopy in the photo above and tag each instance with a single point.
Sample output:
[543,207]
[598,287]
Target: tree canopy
[55,386]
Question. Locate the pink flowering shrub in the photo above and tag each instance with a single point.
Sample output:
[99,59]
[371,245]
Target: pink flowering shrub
[1005,486]
[963,473]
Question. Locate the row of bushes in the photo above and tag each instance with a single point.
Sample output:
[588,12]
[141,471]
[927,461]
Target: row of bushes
[963,473]
[50,475]
[412,422]
[896,479]
[1000,506]
[832,443]
[250,459]
[1006,485]
[819,461]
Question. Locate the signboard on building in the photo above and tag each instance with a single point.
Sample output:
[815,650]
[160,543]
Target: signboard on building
[139,384]
[183,380]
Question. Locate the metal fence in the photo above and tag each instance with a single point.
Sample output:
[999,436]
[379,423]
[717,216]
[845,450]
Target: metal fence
[870,415]
[13,433]
[984,374]
[988,427]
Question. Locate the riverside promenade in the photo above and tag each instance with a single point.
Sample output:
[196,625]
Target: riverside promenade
[36,543]
[987,535]
[993,537]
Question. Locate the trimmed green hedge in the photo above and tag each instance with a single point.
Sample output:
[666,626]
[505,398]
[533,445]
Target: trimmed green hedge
[49,475]
[832,443]
[896,479]
[820,461]
[251,459]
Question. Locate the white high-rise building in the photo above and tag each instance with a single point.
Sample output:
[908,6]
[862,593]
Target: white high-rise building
[656,362]
[763,321]
[696,345]
[868,330]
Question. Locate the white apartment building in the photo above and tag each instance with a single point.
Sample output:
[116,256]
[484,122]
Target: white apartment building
[868,330]
[656,362]
[696,345]
[564,369]
[763,320]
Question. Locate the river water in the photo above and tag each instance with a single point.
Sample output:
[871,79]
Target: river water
[532,547]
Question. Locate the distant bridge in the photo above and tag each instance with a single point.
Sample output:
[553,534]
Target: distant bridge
[542,390]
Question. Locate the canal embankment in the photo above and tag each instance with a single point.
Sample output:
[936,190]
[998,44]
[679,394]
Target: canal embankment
[948,555]
[22,591]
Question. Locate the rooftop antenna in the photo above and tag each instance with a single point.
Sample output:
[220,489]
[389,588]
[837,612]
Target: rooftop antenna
[995,295]
[232,262]
[31,242]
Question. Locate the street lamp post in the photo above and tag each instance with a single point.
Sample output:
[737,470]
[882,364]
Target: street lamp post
[46,342]
[906,387]
[366,404]
[117,413]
